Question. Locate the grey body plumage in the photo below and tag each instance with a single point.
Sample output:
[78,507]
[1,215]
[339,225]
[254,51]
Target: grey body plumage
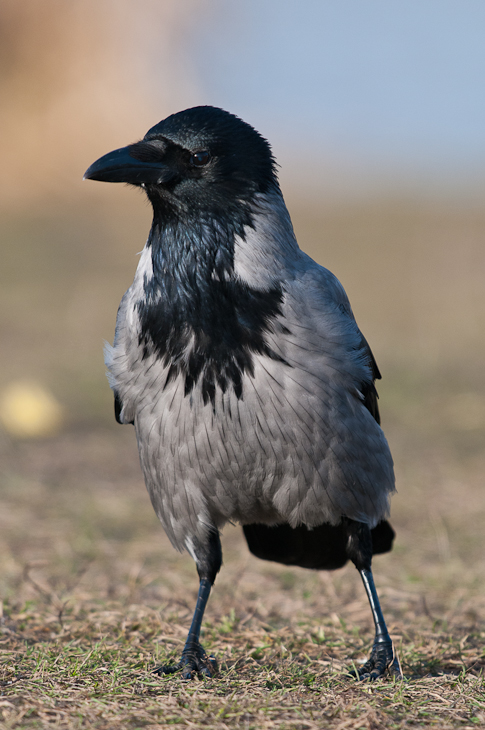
[298,446]
[237,357]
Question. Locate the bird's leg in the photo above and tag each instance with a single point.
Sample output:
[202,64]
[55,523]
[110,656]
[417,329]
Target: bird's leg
[194,658]
[208,559]
[383,657]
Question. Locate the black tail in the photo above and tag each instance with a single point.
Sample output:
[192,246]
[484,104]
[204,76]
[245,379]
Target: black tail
[322,548]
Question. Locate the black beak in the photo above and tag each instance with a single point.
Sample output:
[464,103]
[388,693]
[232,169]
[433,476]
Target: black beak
[123,166]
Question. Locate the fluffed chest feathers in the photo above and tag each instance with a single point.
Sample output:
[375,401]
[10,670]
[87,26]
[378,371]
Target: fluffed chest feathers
[202,330]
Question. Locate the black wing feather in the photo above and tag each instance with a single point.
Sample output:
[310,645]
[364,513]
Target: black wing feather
[322,548]
[118,409]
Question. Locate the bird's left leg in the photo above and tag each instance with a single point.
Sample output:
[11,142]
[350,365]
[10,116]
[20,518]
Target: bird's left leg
[208,557]
[383,657]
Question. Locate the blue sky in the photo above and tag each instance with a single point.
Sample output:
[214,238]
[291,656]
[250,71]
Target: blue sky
[379,83]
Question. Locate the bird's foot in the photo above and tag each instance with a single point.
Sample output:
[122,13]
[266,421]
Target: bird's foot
[194,660]
[383,658]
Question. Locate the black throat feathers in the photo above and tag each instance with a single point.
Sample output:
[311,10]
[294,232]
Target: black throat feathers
[196,316]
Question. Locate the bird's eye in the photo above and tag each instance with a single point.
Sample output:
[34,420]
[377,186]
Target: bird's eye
[200,159]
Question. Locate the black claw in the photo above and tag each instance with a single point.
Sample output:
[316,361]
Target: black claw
[383,659]
[194,661]
[167,669]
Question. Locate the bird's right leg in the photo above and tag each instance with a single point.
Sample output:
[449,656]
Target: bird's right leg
[383,657]
[208,559]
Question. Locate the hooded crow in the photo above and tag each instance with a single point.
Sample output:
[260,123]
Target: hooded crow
[239,362]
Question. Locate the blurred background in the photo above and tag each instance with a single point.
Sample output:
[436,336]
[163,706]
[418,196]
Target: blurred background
[376,115]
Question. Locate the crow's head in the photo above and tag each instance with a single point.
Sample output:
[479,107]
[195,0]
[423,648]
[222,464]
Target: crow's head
[201,159]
